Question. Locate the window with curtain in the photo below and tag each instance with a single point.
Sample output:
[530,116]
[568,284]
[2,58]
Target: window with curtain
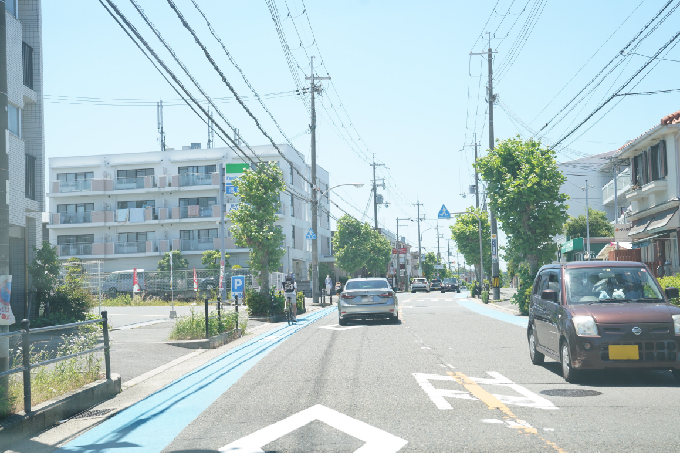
[14,120]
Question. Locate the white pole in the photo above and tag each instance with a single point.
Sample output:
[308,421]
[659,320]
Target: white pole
[587,223]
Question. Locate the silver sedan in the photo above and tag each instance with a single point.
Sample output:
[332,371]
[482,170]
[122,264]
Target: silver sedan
[368,298]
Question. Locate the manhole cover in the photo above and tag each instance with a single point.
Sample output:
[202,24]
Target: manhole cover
[92,413]
[571,392]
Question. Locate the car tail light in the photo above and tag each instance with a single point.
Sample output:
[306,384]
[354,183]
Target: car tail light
[386,295]
[346,296]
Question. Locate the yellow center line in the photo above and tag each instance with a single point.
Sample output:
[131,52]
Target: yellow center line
[494,403]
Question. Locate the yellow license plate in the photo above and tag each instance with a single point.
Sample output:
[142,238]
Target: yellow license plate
[623,352]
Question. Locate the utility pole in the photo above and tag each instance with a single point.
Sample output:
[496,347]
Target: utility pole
[587,225]
[159,120]
[4,203]
[315,206]
[375,193]
[223,292]
[496,291]
[439,256]
[616,204]
[420,259]
[479,221]
[211,130]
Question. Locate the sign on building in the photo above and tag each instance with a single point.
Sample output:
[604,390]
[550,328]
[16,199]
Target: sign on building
[621,232]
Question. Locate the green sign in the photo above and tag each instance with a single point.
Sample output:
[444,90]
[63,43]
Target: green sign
[575,244]
[235,168]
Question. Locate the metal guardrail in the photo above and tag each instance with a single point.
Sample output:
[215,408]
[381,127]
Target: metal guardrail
[26,345]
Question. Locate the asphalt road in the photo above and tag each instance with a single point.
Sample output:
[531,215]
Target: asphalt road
[453,375]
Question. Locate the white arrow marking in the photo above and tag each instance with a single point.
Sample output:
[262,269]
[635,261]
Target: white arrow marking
[376,439]
[437,395]
[529,398]
[338,327]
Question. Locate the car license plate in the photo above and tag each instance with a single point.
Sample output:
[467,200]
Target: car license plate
[623,352]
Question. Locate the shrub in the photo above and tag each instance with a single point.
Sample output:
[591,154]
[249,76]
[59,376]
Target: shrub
[485,297]
[523,296]
[300,302]
[671,282]
[192,326]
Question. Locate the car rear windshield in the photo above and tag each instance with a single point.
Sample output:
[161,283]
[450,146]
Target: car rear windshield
[366,284]
[450,280]
[611,284]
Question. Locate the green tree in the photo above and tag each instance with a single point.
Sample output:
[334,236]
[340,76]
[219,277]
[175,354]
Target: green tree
[254,220]
[71,300]
[575,227]
[524,191]
[178,261]
[358,246]
[429,260]
[379,253]
[211,259]
[465,232]
[324,269]
[44,271]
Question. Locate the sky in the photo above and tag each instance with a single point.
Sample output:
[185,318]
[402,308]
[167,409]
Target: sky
[403,90]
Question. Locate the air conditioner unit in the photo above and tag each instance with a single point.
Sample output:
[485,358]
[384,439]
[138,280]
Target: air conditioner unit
[105,175]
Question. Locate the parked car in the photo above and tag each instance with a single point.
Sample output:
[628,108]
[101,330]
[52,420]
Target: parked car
[596,315]
[122,282]
[435,284]
[450,284]
[209,283]
[367,298]
[420,284]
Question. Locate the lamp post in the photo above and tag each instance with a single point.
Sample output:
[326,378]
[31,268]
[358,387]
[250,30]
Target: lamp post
[315,249]
[398,252]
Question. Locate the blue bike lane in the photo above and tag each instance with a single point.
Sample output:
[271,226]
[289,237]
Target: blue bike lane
[152,423]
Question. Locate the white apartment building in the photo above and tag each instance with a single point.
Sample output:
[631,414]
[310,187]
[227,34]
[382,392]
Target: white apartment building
[595,171]
[130,209]
[25,140]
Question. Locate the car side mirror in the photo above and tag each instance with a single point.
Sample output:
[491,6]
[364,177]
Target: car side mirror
[549,295]
[672,293]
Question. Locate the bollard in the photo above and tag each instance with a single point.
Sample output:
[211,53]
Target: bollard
[107,348]
[236,308]
[219,316]
[25,348]
[207,326]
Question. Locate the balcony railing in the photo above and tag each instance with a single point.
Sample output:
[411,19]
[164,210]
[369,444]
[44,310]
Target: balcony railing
[187,212]
[197,244]
[128,183]
[80,185]
[69,218]
[195,179]
[75,249]
[623,184]
[129,247]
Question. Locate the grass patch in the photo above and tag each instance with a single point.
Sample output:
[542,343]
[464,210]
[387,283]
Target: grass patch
[192,326]
[56,379]
[125,300]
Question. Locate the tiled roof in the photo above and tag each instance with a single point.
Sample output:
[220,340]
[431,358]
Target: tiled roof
[673,118]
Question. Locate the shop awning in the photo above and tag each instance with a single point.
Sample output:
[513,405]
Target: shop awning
[640,227]
[665,220]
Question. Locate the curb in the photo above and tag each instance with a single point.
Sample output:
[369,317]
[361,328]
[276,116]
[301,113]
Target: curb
[21,426]
[208,343]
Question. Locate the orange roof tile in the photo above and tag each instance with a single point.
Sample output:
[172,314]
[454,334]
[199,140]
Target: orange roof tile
[673,118]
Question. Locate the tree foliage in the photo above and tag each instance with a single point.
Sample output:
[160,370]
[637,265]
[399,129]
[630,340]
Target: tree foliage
[254,220]
[211,259]
[358,246]
[524,191]
[44,271]
[71,300]
[575,227]
[428,263]
[465,232]
[178,261]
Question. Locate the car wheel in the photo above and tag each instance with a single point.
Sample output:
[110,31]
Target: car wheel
[536,357]
[568,373]
[113,293]
[676,375]
[342,322]
[395,319]
[428,290]
[413,291]
[458,291]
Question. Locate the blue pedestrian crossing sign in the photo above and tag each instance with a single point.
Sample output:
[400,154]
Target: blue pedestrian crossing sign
[238,284]
[311,234]
[444,213]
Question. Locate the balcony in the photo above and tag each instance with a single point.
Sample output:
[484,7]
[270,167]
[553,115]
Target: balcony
[189,245]
[194,211]
[623,184]
[195,179]
[71,218]
[81,185]
[129,183]
[75,249]
[120,248]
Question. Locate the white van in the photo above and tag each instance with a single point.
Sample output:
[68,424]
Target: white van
[121,282]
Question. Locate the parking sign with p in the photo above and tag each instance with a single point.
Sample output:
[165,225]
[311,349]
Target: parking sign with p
[238,284]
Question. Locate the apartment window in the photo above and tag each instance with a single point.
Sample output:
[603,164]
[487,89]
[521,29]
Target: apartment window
[292,236]
[12,7]
[650,165]
[291,174]
[137,237]
[201,201]
[292,206]
[29,178]
[137,173]
[27,60]
[191,235]
[75,176]
[14,120]
[75,239]
[79,207]
[136,204]
[197,170]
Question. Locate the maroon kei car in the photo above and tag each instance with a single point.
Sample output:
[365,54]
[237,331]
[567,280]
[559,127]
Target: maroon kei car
[592,315]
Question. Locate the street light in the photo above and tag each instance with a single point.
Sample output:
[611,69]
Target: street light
[315,248]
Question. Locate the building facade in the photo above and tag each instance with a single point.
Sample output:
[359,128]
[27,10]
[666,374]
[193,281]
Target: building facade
[25,140]
[130,209]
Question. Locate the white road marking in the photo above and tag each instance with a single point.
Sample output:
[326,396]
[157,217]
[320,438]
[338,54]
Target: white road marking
[339,327]
[492,420]
[270,338]
[437,395]
[424,347]
[376,439]
[528,398]
[510,423]
[548,429]
[450,366]
[142,324]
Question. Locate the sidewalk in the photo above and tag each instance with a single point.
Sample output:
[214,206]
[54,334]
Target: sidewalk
[505,303]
